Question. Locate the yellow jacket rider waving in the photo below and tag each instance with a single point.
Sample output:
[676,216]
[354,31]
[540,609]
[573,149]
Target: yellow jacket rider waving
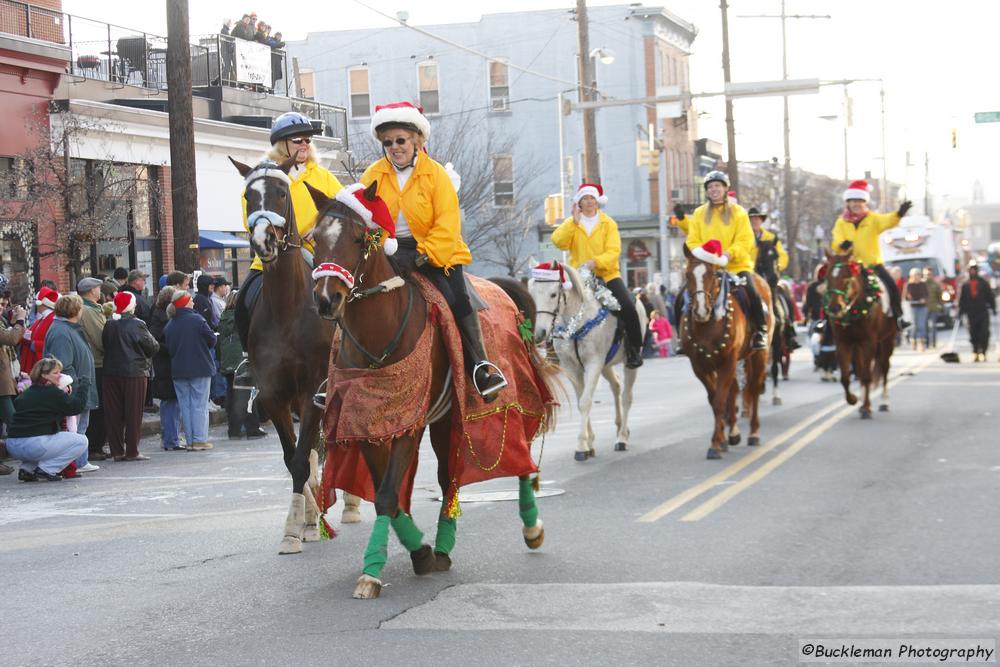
[591,238]
[424,203]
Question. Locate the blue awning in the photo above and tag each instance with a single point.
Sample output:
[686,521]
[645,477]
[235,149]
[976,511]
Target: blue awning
[221,240]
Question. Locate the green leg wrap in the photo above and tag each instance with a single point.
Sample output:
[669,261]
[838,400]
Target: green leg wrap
[407,531]
[378,547]
[444,541]
[526,501]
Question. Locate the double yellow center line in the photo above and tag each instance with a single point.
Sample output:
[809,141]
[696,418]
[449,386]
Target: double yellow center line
[839,411]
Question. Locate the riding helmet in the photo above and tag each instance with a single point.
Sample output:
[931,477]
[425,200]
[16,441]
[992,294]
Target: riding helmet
[755,213]
[291,124]
[717,175]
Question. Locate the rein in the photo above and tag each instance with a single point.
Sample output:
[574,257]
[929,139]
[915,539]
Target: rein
[728,320]
[283,243]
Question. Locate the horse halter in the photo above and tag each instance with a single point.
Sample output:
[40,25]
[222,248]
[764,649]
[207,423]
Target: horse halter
[560,302]
[850,308]
[264,215]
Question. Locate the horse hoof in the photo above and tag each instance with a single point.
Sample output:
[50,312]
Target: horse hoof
[580,456]
[350,515]
[591,453]
[852,399]
[310,534]
[784,378]
[866,414]
[368,588]
[423,560]
[713,454]
[442,562]
[724,447]
[290,545]
[535,535]
[734,439]
[621,446]
[884,407]
[753,441]
[776,401]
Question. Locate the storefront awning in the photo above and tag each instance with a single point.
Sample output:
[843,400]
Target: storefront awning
[221,240]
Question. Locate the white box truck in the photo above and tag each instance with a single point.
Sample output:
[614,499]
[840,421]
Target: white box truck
[918,242]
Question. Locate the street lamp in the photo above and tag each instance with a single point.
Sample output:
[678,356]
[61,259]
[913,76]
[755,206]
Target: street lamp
[605,55]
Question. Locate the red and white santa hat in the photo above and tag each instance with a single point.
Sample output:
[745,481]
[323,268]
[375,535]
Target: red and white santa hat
[47,297]
[124,303]
[590,189]
[551,272]
[333,270]
[711,253]
[858,190]
[403,115]
[374,213]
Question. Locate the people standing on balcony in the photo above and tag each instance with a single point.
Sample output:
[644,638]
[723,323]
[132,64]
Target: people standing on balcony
[226,27]
[244,29]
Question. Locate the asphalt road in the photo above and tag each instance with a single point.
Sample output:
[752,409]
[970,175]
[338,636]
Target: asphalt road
[834,527]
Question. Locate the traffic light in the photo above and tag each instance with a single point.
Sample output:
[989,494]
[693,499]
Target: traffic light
[553,209]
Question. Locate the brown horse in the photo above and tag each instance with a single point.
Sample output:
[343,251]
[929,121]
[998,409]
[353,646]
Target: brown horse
[715,344]
[863,332]
[289,343]
[386,324]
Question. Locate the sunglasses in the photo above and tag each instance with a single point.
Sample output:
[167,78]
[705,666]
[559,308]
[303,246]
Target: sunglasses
[399,141]
[301,140]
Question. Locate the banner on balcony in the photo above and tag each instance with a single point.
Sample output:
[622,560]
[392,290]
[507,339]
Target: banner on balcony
[253,62]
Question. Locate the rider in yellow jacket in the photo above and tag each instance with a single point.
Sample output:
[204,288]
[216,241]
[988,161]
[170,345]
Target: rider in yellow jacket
[760,234]
[591,238]
[858,229]
[727,223]
[423,201]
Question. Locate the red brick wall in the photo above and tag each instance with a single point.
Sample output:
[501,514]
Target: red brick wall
[649,59]
[166,220]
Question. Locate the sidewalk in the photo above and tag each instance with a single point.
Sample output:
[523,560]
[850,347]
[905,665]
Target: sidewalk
[151,423]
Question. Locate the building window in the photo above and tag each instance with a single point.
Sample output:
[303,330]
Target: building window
[427,82]
[503,180]
[361,99]
[499,86]
[16,176]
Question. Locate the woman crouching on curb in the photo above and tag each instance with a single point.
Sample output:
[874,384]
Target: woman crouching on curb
[35,437]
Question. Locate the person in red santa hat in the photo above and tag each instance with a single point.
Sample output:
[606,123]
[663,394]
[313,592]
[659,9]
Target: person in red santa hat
[422,200]
[33,344]
[591,237]
[858,229]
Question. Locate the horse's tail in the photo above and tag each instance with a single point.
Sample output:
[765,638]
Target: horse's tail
[521,297]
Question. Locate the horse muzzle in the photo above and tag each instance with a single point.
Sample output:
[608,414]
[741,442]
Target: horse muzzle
[330,304]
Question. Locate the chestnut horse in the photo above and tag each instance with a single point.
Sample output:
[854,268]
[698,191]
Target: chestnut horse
[716,335]
[382,317]
[864,334]
[289,343]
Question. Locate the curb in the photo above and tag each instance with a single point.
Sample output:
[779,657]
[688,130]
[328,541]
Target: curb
[151,423]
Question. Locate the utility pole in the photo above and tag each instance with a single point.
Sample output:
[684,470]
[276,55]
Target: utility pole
[734,171]
[590,165]
[184,188]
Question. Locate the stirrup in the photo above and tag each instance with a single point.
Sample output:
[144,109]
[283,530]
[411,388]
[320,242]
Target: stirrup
[242,376]
[489,391]
[319,398]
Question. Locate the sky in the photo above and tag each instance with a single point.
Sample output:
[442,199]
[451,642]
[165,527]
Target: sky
[935,61]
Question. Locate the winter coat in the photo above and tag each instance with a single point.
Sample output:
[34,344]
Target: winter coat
[10,336]
[128,348]
[661,327]
[203,306]
[142,308]
[935,302]
[302,202]
[976,307]
[92,322]
[429,205]
[766,235]
[190,342]
[230,350]
[40,409]
[603,245]
[736,237]
[65,342]
[916,293]
[163,379]
[33,341]
[863,236]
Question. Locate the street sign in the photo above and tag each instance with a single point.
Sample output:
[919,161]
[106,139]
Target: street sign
[669,109]
[764,88]
[988,116]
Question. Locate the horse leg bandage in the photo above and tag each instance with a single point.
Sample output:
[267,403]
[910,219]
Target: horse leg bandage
[526,502]
[377,551]
[444,541]
[407,531]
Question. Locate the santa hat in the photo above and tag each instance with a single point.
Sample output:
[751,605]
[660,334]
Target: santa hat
[551,272]
[711,253]
[124,303]
[401,114]
[858,190]
[47,297]
[375,213]
[592,189]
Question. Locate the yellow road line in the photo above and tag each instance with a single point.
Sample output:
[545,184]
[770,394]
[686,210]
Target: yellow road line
[731,492]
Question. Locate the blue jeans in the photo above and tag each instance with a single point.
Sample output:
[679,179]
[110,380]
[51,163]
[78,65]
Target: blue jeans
[170,422]
[51,453]
[83,421]
[919,322]
[932,320]
[192,399]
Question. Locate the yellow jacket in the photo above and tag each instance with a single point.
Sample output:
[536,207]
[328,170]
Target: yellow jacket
[430,207]
[603,245]
[864,236]
[736,238]
[681,223]
[766,235]
[302,202]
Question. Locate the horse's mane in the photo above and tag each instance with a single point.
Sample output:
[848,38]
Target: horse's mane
[574,277]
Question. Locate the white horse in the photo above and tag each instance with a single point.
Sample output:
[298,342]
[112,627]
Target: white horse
[582,331]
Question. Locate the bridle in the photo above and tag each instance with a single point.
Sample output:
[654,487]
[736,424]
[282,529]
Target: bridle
[283,243]
[850,308]
[560,302]
[709,295]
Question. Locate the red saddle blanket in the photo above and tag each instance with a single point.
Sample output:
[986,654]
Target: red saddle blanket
[487,441]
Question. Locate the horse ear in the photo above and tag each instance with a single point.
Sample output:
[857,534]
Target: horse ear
[287,165]
[318,196]
[244,169]
[371,191]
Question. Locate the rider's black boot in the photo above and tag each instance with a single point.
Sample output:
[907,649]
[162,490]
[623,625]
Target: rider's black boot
[759,340]
[791,341]
[486,377]
[633,356]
